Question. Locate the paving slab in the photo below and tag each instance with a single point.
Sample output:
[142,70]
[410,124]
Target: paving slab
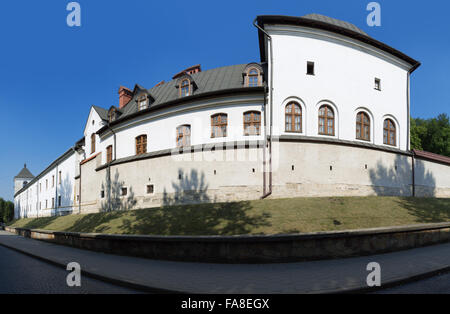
[330,276]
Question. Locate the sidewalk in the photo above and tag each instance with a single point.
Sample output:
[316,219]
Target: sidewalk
[331,276]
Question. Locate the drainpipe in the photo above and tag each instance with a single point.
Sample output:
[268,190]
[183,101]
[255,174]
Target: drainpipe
[414,175]
[270,90]
[109,166]
[56,189]
[408,141]
[79,185]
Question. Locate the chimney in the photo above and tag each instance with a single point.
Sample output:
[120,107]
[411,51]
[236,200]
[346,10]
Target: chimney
[125,96]
[191,70]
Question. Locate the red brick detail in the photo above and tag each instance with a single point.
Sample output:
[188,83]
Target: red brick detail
[125,96]
[432,157]
[191,70]
[160,83]
[89,159]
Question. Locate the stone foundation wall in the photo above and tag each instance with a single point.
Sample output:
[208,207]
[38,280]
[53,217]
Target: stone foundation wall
[299,170]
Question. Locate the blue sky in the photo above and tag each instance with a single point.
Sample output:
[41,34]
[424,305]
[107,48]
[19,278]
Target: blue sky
[51,74]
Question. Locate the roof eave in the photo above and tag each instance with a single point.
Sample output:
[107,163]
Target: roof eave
[232,91]
[300,21]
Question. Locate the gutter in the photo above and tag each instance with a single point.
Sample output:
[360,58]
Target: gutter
[270,90]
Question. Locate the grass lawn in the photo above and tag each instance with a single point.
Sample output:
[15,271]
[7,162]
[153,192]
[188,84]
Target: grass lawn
[298,215]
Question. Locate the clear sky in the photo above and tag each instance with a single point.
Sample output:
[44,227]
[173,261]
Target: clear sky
[51,74]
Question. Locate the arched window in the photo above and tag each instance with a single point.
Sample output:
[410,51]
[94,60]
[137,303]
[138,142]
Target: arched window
[141,144]
[185,88]
[252,123]
[109,154]
[293,118]
[326,121]
[219,124]
[92,143]
[184,136]
[389,137]
[253,77]
[363,126]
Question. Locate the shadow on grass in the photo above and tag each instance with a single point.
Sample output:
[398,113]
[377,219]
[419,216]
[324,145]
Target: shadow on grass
[188,211]
[427,210]
[39,223]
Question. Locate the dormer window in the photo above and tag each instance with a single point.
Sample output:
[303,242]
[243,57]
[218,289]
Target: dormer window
[253,77]
[112,115]
[143,103]
[185,88]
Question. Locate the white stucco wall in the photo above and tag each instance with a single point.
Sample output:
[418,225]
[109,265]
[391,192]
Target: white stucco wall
[345,72]
[36,199]
[160,127]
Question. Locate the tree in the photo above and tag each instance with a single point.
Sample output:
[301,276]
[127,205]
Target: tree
[6,211]
[432,135]
[2,209]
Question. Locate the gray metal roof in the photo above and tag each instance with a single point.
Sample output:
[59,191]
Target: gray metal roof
[335,22]
[103,113]
[24,174]
[228,77]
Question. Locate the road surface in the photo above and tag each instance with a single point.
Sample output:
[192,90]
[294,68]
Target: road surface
[20,273]
[435,285]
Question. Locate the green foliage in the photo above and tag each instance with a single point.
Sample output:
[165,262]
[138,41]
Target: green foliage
[6,211]
[432,135]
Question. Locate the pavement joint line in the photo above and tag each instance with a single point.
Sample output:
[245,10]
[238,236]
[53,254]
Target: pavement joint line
[146,288]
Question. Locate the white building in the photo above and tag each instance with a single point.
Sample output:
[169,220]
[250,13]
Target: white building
[325,112]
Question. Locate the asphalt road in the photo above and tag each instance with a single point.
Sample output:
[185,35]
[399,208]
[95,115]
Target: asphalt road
[21,274]
[435,285]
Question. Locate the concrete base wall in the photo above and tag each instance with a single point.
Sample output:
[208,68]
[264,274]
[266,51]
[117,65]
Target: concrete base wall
[300,169]
[253,249]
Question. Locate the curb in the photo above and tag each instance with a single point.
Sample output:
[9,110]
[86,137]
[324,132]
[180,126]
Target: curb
[252,249]
[147,289]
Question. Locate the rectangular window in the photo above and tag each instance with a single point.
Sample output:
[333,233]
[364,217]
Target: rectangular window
[124,191]
[377,84]
[53,181]
[46,184]
[150,189]
[40,187]
[252,123]
[141,144]
[59,201]
[53,202]
[310,68]
[60,177]
[46,204]
[219,124]
[109,154]
[184,136]
[102,194]
[93,143]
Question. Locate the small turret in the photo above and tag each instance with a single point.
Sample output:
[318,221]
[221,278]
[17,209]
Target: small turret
[22,179]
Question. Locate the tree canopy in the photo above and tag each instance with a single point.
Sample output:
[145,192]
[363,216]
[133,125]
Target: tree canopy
[6,211]
[432,135]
